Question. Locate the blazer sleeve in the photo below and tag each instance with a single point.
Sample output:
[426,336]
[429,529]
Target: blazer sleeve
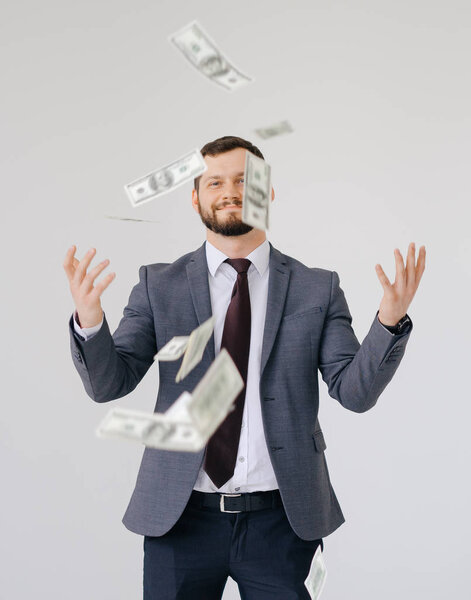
[111,366]
[356,374]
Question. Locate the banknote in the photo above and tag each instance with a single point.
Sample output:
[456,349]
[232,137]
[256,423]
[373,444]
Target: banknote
[128,219]
[198,48]
[213,397]
[155,430]
[166,179]
[197,341]
[274,130]
[317,575]
[257,192]
[173,349]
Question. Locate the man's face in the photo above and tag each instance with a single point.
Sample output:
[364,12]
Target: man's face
[221,188]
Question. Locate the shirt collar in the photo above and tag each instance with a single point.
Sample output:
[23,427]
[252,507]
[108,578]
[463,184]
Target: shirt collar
[260,257]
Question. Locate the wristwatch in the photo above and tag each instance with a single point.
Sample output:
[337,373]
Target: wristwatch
[399,327]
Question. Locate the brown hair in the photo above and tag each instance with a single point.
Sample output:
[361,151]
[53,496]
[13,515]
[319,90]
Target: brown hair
[225,144]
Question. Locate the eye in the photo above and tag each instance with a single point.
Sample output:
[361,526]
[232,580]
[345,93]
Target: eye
[214,183]
[241,180]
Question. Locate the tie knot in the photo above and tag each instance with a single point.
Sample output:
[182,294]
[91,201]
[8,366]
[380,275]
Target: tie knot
[241,265]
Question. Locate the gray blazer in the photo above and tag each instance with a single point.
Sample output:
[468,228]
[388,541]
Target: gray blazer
[307,327]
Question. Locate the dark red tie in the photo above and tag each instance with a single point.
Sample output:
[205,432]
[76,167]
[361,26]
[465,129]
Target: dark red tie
[221,452]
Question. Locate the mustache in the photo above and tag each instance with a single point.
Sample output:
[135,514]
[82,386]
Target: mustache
[228,203]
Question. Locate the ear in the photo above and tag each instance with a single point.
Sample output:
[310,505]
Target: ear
[194,200]
[272,194]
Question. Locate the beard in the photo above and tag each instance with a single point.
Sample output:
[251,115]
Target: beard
[232,226]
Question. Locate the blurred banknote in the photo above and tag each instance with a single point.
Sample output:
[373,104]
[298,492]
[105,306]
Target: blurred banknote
[213,397]
[197,341]
[155,430]
[166,178]
[274,130]
[204,55]
[173,349]
[317,574]
[257,192]
[128,219]
[188,424]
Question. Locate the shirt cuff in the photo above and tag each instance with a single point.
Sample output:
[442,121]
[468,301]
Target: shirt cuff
[86,332]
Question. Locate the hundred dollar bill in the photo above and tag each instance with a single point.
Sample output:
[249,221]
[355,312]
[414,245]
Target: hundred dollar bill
[204,55]
[128,219]
[274,130]
[257,192]
[166,178]
[317,574]
[155,430]
[173,349]
[197,341]
[213,397]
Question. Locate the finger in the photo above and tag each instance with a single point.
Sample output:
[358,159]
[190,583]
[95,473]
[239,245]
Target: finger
[87,283]
[83,265]
[420,266]
[101,286]
[399,267]
[410,267]
[69,266]
[384,281]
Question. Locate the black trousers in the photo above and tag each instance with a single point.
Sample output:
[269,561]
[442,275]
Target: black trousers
[258,549]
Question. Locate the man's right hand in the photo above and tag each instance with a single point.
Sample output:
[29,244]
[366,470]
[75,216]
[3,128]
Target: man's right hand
[86,296]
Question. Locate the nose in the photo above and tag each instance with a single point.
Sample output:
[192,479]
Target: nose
[230,191]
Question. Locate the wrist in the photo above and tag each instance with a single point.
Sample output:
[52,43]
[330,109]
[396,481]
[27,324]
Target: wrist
[87,321]
[390,321]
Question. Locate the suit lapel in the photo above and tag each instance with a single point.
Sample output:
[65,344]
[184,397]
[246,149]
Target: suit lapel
[277,289]
[197,274]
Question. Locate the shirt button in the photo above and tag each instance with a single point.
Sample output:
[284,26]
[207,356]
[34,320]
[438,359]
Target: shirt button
[241,459]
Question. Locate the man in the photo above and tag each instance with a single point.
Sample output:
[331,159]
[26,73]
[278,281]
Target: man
[256,503]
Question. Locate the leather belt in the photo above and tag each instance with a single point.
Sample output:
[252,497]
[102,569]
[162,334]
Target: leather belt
[236,503]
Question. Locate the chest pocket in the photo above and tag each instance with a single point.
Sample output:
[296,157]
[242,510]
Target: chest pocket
[304,313]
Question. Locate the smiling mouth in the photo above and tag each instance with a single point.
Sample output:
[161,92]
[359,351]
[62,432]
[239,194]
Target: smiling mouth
[232,206]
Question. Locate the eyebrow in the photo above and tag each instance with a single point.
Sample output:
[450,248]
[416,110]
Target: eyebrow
[221,177]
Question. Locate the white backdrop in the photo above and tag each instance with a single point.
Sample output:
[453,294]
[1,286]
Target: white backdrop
[93,96]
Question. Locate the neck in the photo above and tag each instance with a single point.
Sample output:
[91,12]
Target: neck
[238,246]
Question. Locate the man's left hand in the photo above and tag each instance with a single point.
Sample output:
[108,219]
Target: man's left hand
[398,295]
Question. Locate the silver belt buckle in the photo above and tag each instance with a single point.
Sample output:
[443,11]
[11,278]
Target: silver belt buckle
[221,503]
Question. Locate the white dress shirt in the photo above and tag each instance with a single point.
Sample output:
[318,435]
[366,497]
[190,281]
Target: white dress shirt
[253,469]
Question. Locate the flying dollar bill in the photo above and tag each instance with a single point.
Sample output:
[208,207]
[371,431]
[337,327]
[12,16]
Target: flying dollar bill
[196,45]
[197,341]
[257,192]
[274,130]
[173,349]
[166,179]
[128,219]
[213,397]
[317,573]
[190,421]
[155,430]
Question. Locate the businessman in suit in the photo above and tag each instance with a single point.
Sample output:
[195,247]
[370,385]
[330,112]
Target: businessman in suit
[257,501]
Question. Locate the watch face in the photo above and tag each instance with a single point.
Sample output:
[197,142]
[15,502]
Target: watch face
[403,322]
